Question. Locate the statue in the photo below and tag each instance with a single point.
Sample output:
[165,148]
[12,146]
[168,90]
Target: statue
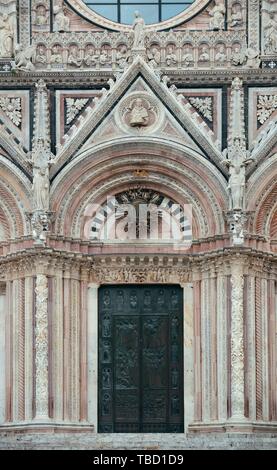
[236,15]
[154,56]
[188,57]
[238,159]
[6,36]
[238,56]
[41,55]
[56,55]
[90,58]
[218,16]
[41,15]
[73,58]
[138,31]
[139,115]
[253,56]
[122,56]
[24,57]
[41,188]
[270,34]
[205,55]
[237,220]
[61,22]
[220,56]
[170,58]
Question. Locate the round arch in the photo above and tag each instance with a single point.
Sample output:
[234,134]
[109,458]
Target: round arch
[186,177]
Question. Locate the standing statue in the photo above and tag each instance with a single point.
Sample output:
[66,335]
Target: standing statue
[6,36]
[218,15]
[41,188]
[238,159]
[138,31]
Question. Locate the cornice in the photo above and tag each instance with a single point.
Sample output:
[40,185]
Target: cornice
[100,77]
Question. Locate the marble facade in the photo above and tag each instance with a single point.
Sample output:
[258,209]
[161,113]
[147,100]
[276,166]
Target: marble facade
[205,134]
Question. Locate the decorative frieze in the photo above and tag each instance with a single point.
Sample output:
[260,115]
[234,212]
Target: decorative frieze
[190,49]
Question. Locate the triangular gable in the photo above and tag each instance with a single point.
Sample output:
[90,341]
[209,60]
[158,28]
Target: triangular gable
[167,96]
[112,127]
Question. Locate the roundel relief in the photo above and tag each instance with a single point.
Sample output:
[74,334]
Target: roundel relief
[139,113]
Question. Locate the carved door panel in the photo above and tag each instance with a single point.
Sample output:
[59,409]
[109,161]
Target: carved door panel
[140,359]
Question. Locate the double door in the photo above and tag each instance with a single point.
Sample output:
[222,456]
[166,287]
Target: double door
[140,359]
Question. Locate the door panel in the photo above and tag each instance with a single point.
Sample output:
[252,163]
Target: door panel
[140,359]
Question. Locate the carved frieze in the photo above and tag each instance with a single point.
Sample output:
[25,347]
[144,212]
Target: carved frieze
[108,50]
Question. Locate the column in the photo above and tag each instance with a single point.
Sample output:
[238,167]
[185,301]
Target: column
[41,348]
[188,355]
[58,344]
[92,338]
[251,346]
[237,340]
[29,347]
[206,349]
[2,356]
[221,306]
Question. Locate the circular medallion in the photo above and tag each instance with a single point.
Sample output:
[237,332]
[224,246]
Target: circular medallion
[139,113]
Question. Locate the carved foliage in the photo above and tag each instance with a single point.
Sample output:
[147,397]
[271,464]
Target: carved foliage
[12,109]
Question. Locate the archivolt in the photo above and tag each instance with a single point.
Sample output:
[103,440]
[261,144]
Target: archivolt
[14,199]
[262,197]
[109,168]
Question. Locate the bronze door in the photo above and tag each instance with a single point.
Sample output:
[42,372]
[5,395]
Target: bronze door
[140,359]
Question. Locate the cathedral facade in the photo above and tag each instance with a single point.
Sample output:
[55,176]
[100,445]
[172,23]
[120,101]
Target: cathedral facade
[111,322]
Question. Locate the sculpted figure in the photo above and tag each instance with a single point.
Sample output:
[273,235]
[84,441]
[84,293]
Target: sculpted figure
[220,56]
[138,31]
[6,36]
[187,57]
[205,54]
[171,58]
[218,15]
[74,57]
[41,55]
[238,56]
[24,57]
[236,15]
[61,22]
[41,15]
[238,159]
[253,56]
[105,57]
[56,56]
[90,58]
[139,114]
[41,188]
[270,34]
[154,56]
[122,56]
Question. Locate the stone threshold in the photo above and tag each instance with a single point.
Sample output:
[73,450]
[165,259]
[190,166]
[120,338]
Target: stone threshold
[147,442]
